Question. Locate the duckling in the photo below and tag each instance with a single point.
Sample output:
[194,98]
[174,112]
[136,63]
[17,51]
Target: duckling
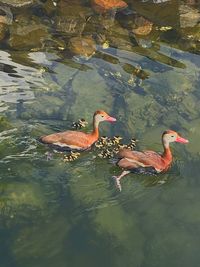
[98,144]
[107,153]
[115,150]
[101,142]
[81,123]
[130,146]
[116,139]
[132,143]
[104,140]
[72,156]
[109,143]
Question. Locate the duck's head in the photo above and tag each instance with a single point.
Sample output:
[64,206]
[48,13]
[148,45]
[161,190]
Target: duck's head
[170,136]
[101,115]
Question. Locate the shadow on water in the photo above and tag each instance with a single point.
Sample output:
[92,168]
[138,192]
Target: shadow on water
[61,61]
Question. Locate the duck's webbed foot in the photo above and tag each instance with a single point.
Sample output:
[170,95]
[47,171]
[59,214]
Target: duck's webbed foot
[117,183]
[118,178]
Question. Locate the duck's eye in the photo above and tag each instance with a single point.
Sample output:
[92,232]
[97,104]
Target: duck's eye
[102,116]
[172,136]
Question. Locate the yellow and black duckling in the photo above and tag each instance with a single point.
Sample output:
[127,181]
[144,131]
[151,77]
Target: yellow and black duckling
[106,153]
[81,123]
[72,156]
[132,144]
[116,139]
[102,142]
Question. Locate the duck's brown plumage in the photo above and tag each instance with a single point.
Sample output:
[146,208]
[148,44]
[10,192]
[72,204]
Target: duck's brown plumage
[71,139]
[75,139]
[135,159]
[147,161]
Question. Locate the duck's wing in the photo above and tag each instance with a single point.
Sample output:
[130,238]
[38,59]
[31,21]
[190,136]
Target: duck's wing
[136,159]
[71,139]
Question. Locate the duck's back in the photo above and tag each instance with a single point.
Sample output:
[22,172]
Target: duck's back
[71,139]
[146,159]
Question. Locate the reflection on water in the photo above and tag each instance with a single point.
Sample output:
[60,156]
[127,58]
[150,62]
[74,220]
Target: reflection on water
[61,61]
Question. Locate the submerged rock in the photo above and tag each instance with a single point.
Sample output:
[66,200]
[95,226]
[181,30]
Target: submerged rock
[42,244]
[19,201]
[125,235]
[17,3]
[189,16]
[142,26]
[4,124]
[83,46]
[102,6]
[27,33]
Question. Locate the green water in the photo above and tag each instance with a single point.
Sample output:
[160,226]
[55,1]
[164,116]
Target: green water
[55,213]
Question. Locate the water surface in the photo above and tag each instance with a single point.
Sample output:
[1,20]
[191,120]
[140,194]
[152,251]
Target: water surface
[55,213]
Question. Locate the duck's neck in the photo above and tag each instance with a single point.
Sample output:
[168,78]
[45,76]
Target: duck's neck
[95,132]
[167,154]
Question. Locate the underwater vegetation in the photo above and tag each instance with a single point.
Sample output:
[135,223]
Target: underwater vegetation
[59,62]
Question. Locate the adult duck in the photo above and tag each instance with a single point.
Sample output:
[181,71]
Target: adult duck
[76,140]
[148,162]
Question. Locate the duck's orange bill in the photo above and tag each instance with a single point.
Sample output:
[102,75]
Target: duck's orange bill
[110,119]
[182,140]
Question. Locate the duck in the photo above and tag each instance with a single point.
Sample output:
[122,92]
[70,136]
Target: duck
[147,162]
[77,140]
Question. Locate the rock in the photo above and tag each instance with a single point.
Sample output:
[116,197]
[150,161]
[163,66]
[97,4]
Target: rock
[142,26]
[19,201]
[124,232]
[83,46]
[42,244]
[189,16]
[4,124]
[17,3]
[102,6]
[27,33]
[72,18]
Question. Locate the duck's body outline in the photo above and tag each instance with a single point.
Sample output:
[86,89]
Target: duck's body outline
[77,140]
[147,162]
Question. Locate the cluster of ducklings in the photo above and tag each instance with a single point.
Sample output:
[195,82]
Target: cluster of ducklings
[108,147]
[71,156]
[81,123]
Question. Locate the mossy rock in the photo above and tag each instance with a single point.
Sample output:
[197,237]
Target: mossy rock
[21,201]
[27,33]
[4,124]
[42,245]
[124,233]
